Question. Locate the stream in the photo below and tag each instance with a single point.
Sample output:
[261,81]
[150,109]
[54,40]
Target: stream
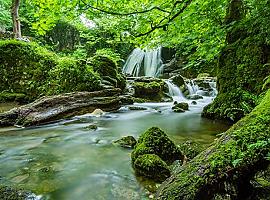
[66,160]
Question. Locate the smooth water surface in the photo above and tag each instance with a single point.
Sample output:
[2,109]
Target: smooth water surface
[66,160]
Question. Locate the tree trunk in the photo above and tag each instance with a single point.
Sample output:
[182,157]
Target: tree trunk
[16,19]
[227,167]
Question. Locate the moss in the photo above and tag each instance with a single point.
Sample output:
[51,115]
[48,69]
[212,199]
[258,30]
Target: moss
[155,141]
[191,149]
[28,69]
[182,105]
[108,70]
[241,74]
[152,90]
[10,97]
[233,159]
[24,67]
[151,166]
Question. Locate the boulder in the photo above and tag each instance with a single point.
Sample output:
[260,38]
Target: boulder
[183,106]
[51,108]
[126,142]
[151,166]
[178,80]
[155,141]
[194,97]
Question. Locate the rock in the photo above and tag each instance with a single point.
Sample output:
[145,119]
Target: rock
[136,108]
[184,106]
[178,110]
[51,108]
[126,142]
[126,99]
[155,141]
[9,193]
[178,80]
[108,71]
[151,166]
[98,112]
[194,97]
[194,102]
[91,127]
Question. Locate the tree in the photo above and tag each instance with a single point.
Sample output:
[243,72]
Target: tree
[16,19]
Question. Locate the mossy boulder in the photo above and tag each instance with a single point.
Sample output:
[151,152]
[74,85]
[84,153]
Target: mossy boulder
[151,166]
[155,141]
[152,90]
[194,97]
[180,106]
[108,70]
[178,80]
[126,142]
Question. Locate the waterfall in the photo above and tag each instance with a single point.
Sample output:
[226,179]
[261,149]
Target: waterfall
[213,86]
[192,87]
[175,91]
[144,63]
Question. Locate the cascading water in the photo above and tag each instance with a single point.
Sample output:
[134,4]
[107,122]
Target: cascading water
[144,63]
[192,87]
[175,91]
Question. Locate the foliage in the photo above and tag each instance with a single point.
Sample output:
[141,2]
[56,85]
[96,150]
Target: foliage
[34,71]
[5,17]
[69,76]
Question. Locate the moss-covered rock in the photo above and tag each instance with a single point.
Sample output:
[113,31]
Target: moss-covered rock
[242,70]
[155,141]
[178,80]
[126,142]
[152,90]
[30,70]
[152,167]
[108,70]
[232,161]
[182,105]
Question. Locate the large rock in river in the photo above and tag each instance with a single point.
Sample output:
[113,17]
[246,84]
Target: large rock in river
[48,109]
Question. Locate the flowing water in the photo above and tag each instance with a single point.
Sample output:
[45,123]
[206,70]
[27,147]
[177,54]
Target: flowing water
[66,160]
[144,63]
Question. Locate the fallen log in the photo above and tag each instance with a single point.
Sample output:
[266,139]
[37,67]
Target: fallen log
[51,108]
[227,167]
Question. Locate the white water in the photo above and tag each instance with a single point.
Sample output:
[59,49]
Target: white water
[192,87]
[175,92]
[144,63]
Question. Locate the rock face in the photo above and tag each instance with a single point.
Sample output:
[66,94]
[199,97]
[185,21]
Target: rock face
[48,109]
[126,142]
[154,141]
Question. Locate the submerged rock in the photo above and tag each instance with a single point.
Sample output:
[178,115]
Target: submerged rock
[9,193]
[136,108]
[51,108]
[194,97]
[92,127]
[151,166]
[126,142]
